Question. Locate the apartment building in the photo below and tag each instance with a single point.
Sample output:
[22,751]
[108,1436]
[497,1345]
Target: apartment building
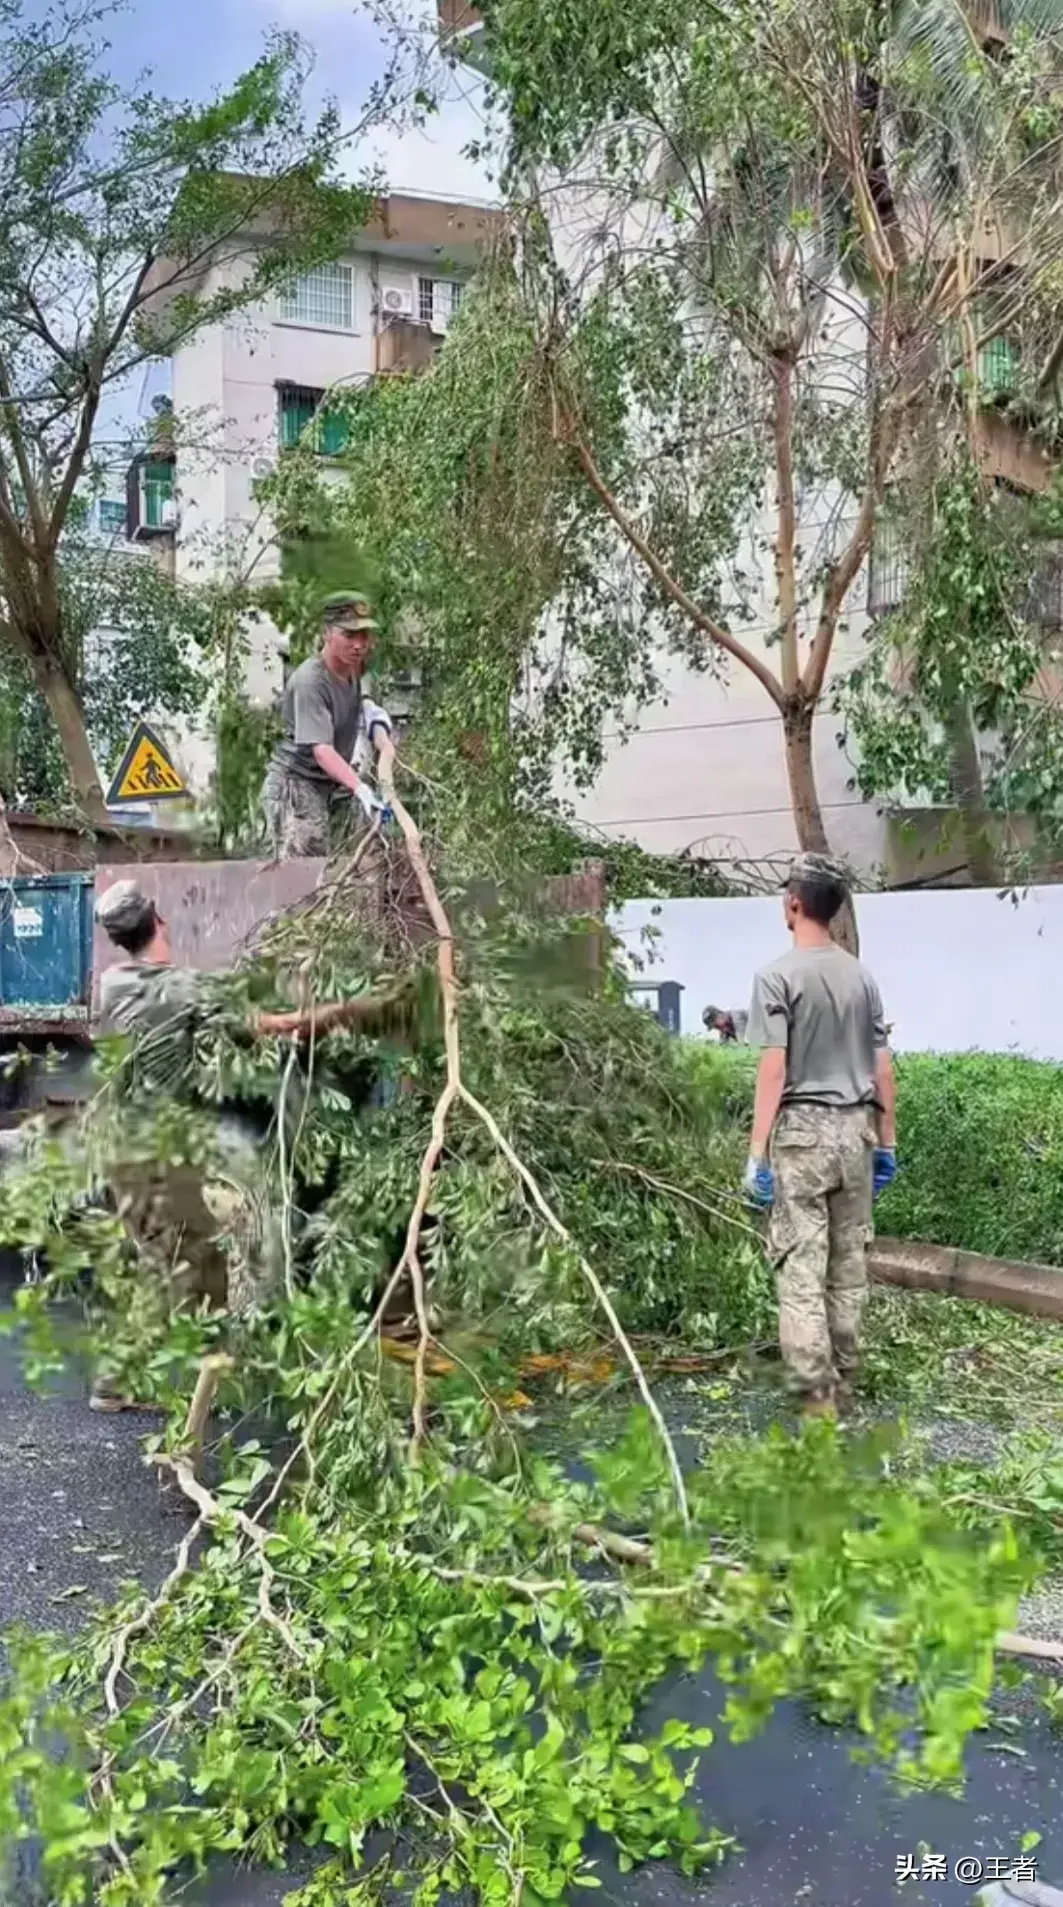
[246,390]
[702,768]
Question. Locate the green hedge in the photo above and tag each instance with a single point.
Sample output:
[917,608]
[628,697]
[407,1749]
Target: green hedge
[980,1147]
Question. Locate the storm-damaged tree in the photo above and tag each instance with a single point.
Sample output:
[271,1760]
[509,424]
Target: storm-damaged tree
[137,641]
[128,223]
[765,246]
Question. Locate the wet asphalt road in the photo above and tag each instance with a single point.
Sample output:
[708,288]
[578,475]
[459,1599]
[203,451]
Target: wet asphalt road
[79,1513]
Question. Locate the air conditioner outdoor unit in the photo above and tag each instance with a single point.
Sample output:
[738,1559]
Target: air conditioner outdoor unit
[397,301]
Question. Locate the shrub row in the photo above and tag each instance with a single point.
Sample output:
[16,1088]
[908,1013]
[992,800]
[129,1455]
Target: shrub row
[980,1146]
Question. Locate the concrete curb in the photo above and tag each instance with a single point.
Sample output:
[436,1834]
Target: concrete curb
[1035,1289]
[1028,1893]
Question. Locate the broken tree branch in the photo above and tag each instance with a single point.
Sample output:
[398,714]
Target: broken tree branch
[211,1371]
[147,1616]
[369,1013]
[455,1088]
[212,1512]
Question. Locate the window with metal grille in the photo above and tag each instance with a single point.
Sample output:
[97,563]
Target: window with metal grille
[889,569]
[299,410]
[438,301]
[1043,603]
[111,517]
[323,297]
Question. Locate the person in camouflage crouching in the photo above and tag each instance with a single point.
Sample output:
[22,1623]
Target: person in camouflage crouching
[209,1233]
[823,1138]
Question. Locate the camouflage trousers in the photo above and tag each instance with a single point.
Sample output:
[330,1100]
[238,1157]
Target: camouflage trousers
[208,1234]
[820,1228]
[302,816]
[307,821]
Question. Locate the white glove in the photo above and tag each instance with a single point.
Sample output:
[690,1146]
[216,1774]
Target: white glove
[375,717]
[371,804]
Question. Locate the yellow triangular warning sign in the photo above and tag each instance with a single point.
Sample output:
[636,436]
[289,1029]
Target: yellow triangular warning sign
[146,772]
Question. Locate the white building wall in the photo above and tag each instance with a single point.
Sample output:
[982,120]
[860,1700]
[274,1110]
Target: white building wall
[706,770]
[961,969]
[225,397]
[704,767]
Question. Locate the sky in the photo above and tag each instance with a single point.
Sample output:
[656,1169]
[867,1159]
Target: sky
[195,47]
[191,49]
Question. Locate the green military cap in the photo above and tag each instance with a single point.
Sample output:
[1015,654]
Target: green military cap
[819,867]
[349,608]
[124,908]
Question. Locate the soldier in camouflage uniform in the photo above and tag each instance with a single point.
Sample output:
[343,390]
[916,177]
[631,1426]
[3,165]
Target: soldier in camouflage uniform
[823,1132]
[210,1234]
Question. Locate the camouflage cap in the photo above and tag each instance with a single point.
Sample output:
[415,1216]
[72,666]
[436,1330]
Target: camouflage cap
[818,867]
[125,909]
[349,609]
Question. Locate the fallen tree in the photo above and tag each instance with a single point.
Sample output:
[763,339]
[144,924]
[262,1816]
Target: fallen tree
[395,1627]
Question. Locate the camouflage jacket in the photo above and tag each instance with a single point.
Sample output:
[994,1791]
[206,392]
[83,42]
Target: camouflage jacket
[161,1007]
[139,995]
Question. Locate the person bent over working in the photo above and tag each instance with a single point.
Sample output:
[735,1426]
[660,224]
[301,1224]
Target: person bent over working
[823,1138]
[729,1024]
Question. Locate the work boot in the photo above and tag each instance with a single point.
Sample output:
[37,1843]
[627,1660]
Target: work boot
[818,1404]
[107,1400]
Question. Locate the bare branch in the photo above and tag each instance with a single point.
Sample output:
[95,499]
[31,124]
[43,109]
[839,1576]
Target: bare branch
[786,517]
[714,631]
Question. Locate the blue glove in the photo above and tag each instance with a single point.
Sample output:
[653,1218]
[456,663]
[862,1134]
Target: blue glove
[758,1184]
[885,1169]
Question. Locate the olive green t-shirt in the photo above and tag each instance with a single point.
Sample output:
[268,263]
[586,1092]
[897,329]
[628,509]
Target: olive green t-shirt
[317,707]
[823,1006]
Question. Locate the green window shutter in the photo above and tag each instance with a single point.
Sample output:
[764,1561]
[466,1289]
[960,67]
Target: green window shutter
[296,414]
[998,366]
[297,409]
[157,492]
[334,435]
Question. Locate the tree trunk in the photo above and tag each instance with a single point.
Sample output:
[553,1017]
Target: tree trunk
[807,813]
[969,789]
[64,703]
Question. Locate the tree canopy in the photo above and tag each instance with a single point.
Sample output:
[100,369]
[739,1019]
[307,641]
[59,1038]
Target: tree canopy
[769,255]
[129,223]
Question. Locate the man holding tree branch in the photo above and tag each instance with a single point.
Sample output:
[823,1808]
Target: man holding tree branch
[823,1137]
[312,779]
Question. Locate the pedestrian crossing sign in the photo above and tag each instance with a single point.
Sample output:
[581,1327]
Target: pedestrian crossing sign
[146,771]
